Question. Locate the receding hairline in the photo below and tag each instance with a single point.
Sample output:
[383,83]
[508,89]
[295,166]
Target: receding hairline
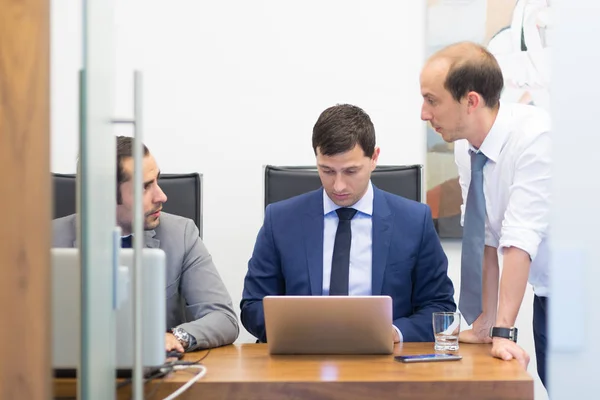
[461,52]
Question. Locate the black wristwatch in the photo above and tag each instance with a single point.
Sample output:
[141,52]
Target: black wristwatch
[506,333]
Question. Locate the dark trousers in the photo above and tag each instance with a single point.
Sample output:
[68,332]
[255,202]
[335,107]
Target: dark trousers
[540,329]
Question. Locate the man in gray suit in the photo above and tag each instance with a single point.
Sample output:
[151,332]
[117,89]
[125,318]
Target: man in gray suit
[199,309]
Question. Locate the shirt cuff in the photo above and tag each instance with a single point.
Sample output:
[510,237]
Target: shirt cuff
[525,239]
[192,343]
[399,333]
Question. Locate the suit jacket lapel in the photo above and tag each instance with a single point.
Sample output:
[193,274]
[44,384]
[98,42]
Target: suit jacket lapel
[312,225]
[382,233]
[150,240]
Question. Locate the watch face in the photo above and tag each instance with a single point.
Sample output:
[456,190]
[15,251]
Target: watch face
[182,336]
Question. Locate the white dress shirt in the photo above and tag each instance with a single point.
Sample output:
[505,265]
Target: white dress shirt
[516,185]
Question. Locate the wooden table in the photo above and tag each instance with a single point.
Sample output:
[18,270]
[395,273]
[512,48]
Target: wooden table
[247,371]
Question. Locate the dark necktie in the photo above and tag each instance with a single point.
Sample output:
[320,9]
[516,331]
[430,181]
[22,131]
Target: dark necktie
[340,263]
[126,242]
[473,242]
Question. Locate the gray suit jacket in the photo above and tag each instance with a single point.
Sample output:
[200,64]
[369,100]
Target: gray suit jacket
[197,299]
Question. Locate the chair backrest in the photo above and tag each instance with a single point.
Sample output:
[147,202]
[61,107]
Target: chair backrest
[284,182]
[184,192]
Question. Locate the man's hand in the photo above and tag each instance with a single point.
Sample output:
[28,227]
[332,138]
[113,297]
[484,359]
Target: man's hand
[171,343]
[506,349]
[480,332]
[395,335]
[470,336]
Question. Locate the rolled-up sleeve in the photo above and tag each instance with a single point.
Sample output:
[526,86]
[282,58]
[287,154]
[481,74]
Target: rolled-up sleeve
[527,216]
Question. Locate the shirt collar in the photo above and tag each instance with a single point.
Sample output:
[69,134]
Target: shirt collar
[364,205]
[497,136]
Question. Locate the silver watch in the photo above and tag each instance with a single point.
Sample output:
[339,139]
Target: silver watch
[182,336]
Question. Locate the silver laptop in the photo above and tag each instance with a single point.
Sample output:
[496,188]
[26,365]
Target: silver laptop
[329,324]
[66,308]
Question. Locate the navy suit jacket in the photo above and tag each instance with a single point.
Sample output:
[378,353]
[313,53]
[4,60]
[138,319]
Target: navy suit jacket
[409,263]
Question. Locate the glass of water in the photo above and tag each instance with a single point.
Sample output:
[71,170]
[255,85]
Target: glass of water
[446,327]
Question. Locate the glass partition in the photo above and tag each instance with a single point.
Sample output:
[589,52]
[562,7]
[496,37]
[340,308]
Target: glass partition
[96,204]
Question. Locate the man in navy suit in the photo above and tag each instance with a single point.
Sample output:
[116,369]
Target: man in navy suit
[350,238]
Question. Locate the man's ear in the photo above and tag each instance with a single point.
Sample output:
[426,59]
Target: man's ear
[474,100]
[375,158]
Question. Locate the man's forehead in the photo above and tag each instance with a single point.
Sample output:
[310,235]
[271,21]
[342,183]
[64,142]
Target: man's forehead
[432,80]
[333,165]
[341,161]
[435,70]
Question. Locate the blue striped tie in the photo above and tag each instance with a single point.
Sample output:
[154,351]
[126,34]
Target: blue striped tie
[473,242]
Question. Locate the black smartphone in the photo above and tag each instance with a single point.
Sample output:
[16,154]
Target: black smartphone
[428,358]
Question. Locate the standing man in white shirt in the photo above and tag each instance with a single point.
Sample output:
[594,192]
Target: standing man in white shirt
[504,164]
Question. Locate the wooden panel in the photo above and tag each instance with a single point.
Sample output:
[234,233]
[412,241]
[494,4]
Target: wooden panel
[248,372]
[25,200]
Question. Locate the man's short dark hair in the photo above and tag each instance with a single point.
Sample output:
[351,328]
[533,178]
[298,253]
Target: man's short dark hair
[340,128]
[124,150]
[479,72]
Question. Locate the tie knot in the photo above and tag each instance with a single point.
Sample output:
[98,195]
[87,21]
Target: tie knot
[345,214]
[478,160]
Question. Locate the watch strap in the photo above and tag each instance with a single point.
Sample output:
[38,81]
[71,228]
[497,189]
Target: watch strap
[506,333]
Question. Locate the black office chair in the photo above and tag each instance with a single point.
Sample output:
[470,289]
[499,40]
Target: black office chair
[184,192]
[285,182]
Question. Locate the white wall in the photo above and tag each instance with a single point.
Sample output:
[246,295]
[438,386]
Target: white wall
[235,85]
[574,319]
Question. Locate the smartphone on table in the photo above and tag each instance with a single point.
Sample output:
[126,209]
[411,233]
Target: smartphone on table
[428,358]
